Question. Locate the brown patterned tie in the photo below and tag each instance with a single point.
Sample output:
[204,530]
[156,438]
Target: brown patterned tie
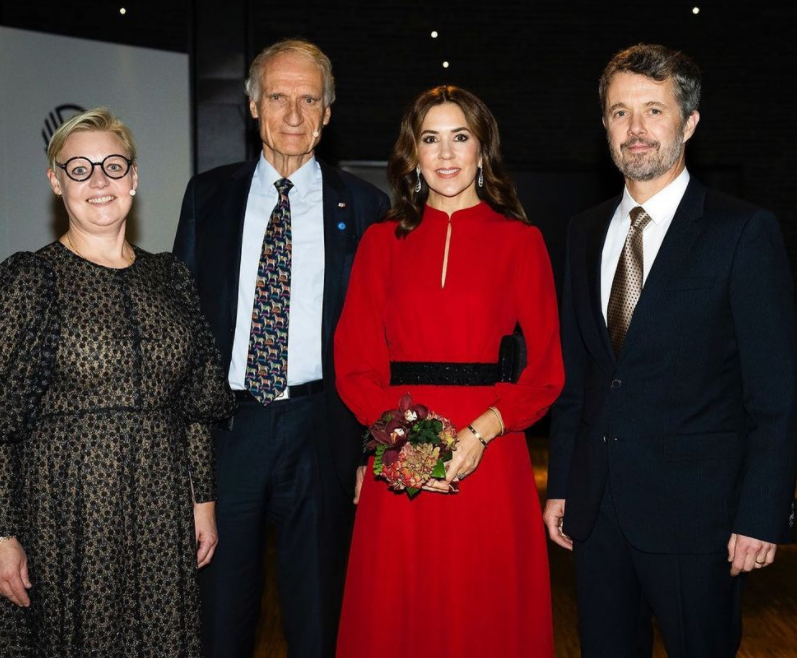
[627,283]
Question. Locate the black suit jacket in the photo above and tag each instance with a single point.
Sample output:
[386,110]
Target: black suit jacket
[694,424]
[209,241]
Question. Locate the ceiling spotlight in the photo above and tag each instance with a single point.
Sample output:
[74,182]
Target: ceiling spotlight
[434,34]
[123,11]
[695,10]
[445,65]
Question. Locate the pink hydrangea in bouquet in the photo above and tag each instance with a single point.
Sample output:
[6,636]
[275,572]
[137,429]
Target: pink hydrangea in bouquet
[411,445]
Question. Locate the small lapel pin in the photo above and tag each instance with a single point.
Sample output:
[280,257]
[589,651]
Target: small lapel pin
[341,226]
[341,204]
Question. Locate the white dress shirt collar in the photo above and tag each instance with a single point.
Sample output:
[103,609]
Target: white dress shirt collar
[662,205]
[303,178]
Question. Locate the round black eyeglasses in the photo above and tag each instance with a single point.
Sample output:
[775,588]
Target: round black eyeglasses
[80,169]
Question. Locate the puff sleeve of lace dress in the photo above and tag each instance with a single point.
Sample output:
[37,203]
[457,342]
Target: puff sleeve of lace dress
[28,338]
[205,397]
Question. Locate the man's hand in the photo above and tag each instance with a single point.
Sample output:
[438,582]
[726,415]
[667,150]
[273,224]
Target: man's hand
[746,553]
[553,516]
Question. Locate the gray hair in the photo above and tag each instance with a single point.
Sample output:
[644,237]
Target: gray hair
[658,63]
[300,47]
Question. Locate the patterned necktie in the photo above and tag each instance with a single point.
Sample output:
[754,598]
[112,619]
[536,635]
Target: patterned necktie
[627,283]
[267,362]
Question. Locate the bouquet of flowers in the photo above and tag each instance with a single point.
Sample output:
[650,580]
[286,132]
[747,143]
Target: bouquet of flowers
[412,445]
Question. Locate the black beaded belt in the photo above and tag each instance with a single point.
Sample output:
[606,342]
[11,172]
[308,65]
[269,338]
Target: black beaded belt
[298,391]
[429,373]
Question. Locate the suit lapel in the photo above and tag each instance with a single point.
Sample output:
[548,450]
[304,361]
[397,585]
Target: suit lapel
[674,250]
[595,241]
[594,236]
[339,241]
[234,213]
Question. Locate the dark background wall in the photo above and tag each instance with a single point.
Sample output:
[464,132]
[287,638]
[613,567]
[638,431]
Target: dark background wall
[535,63]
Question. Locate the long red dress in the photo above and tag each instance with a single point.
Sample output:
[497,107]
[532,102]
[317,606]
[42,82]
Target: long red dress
[458,575]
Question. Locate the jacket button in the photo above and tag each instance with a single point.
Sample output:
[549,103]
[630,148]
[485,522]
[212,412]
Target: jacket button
[616,383]
[605,438]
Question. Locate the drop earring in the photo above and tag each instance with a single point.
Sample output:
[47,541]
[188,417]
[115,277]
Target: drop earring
[481,175]
[418,174]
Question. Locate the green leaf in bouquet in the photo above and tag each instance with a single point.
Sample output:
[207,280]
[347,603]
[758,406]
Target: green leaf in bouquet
[412,492]
[439,470]
[426,431]
[380,450]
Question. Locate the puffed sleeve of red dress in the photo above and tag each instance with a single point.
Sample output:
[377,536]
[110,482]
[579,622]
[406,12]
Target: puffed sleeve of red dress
[534,296]
[362,361]
[28,338]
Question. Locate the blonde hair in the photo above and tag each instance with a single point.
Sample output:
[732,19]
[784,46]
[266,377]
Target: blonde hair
[300,47]
[99,119]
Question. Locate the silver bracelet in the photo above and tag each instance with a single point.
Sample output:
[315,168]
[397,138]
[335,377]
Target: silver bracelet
[2,539]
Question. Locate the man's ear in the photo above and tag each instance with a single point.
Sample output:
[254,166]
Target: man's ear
[690,125]
[253,109]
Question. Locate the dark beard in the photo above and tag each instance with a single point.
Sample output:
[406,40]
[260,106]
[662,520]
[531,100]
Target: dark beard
[648,166]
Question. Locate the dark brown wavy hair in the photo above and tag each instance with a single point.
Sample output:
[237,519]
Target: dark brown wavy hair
[498,191]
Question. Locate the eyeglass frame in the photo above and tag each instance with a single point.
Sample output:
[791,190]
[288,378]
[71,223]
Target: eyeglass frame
[93,164]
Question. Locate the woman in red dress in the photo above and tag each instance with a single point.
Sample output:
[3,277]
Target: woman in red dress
[435,287]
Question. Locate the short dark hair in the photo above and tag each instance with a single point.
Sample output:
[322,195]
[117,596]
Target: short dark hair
[658,63]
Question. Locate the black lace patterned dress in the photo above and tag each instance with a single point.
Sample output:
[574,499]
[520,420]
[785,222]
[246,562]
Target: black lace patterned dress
[109,383]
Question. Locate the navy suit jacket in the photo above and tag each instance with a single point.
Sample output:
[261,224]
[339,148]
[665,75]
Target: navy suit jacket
[209,241]
[693,426]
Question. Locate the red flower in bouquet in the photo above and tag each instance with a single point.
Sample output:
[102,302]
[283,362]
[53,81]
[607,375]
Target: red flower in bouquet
[413,466]
[412,445]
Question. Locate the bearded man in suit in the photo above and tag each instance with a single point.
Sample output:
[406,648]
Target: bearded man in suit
[673,447]
[271,243]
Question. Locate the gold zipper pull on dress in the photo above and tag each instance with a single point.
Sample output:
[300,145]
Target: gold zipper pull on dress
[445,255]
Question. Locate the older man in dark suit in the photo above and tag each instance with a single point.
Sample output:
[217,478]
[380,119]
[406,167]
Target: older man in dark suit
[271,244]
[674,445]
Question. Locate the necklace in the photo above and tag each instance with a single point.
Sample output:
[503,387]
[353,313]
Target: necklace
[72,246]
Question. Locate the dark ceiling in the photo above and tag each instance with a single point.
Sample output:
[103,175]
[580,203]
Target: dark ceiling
[162,25]
[534,62]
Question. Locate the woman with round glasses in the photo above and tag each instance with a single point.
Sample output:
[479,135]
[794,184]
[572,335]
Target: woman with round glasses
[109,383]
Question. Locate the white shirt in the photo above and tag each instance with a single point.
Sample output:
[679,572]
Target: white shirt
[307,269]
[661,207]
